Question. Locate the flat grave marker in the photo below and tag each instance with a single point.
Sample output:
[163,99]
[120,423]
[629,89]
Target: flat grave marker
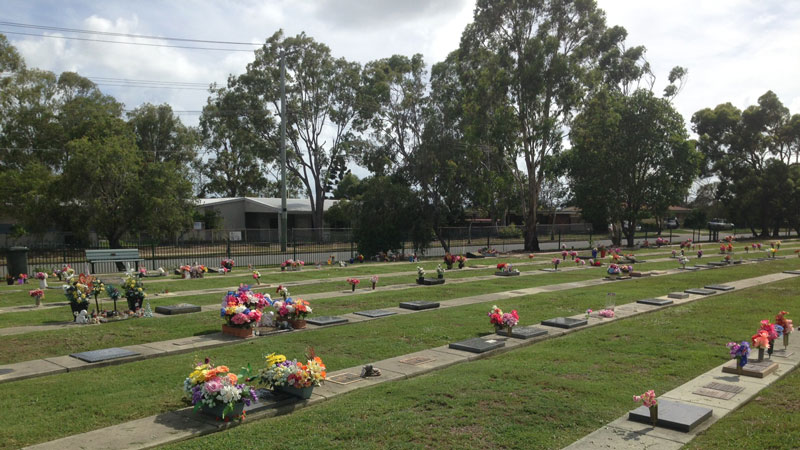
[525,332]
[753,368]
[375,313]
[720,391]
[704,266]
[673,415]
[430,281]
[678,295]
[181,308]
[691,268]
[792,272]
[501,273]
[655,301]
[718,264]
[418,305]
[700,291]
[565,322]
[344,378]
[326,320]
[720,287]
[103,355]
[783,353]
[416,360]
[5,371]
[477,345]
[549,270]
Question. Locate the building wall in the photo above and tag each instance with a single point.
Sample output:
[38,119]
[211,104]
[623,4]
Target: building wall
[232,214]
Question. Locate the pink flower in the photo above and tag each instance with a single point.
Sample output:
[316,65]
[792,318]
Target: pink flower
[239,319]
[213,385]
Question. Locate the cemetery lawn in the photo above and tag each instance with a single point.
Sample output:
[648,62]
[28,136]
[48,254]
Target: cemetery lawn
[43,344]
[545,395]
[771,420]
[552,393]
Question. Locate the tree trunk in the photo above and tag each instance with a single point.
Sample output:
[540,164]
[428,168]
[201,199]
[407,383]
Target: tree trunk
[438,233]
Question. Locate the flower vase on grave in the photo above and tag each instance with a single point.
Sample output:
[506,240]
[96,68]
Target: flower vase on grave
[739,365]
[508,330]
[38,299]
[297,324]
[497,328]
[373,285]
[771,347]
[785,340]
[449,265]
[654,415]
[460,264]
[440,276]
[760,354]
[354,287]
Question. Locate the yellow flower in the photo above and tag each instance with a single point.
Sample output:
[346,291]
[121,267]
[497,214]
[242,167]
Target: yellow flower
[273,359]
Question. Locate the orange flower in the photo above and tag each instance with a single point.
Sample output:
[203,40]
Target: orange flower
[233,378]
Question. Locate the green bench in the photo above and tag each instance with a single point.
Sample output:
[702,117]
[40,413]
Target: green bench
[118,256]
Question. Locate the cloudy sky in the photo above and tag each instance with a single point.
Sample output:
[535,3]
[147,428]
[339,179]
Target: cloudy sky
[735,50]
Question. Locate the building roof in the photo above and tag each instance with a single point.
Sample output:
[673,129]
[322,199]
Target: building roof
[266,204]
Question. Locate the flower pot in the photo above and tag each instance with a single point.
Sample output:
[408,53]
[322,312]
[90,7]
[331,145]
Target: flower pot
[420,280]
[297,324]
[134,304]
[654,414]
[217,411]
[602,253]
[38,299]
[760,354]
[440,276]
[236,331]
[186,275]
[771,347]
[304,393]
[449,265]
[373,286]
[785,340]
[78,307]
[460,265]
[354,287]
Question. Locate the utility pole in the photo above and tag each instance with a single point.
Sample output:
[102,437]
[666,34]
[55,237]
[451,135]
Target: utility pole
[284,213]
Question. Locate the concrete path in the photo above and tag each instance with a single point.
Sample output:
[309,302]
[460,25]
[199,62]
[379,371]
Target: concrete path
[185,424]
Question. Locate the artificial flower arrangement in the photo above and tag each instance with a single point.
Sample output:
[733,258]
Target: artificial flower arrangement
[683,261]
[506,267]
[243,308]
[564,254]
[686,244]
[648,399]
[198,271]
[573,254]
[797,252]
[353,283]
[727,258]
[360,258]
[185,270]
[674,253]
[531,255]
[722,248]
[282,291]
[594,263]
[41,275]
[142,272]
[556,262]
[228,264]
[38,295]
[134,293]
[626,269]
[78,295]
[700,253]
[461,259]
[257,277]
[613,269]
[760,341]
[211,387]
[374,280]
[298,264]
[113,294]
[449,260]
[776,244]
[739,352]
[500,319]
[281,372]
[661,241]
[580,262]
[291,309]
[288,263]
[22,278]
[420,272]
[772,251]
[788,326]
[607,313]
[439,271]
[96,287]
[772,331]
[729,248]
[588,312]
[65,272]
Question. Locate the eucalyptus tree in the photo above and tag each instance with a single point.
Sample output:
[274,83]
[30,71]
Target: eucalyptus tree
[536,59]
[161,135]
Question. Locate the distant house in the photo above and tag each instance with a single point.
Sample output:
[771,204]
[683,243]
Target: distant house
[240,213]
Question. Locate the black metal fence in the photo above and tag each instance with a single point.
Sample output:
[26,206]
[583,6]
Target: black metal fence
[261,247]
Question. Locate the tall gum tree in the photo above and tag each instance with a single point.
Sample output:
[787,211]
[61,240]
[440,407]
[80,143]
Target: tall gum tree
[542,52]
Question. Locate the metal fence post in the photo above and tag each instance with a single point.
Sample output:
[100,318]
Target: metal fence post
[352,244]
[294,250]
[153,254]
[559,237]
[228,248]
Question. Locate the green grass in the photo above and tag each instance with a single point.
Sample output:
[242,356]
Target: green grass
[771,420]
[547,395]
[543,396]
[42,344]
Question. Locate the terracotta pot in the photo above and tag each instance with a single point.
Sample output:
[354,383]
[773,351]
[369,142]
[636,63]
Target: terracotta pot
[236,331]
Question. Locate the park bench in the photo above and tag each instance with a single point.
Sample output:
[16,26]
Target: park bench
[116,255]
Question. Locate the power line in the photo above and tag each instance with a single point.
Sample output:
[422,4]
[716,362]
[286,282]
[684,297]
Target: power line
[127,43]
[182,83]
[109,33]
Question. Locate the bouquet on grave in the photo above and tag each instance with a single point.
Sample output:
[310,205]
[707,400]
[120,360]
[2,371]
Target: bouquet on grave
[353,282]
[420,272]
[211,386]
[134,293]
[374,280]
[78,295]
[614,269]
[281,372]
[243,308]
[291,309]
[739,352]
[556,262]
[228,264]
